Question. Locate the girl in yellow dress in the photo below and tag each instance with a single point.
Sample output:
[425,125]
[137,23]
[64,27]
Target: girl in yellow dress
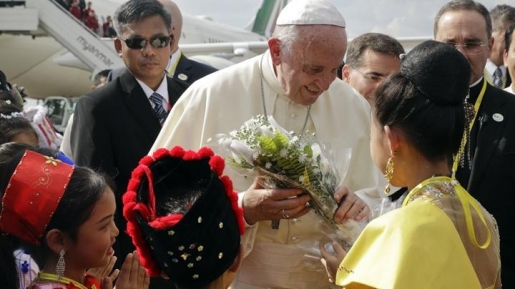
[440,236]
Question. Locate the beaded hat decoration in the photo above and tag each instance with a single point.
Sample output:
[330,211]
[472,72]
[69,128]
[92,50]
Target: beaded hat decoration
[11,115]
[32,195]
[183,216]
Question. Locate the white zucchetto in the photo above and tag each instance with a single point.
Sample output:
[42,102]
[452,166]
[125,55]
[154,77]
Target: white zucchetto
[310,12]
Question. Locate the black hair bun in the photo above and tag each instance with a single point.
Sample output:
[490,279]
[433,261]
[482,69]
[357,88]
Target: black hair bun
[439,71]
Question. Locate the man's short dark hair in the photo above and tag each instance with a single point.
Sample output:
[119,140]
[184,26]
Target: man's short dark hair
[135,10]
[508,36]
[376,42]
[502,14]
[468,5]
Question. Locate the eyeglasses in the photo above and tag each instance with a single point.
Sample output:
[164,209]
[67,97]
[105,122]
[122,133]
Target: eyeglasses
[469,47]
[372,77]
[140,43]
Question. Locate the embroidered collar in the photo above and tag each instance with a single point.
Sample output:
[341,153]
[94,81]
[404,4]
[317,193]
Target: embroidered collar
[90,282]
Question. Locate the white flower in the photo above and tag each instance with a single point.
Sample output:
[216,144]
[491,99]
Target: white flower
[233,133]
[301,179]
[267,131]
[268,165]
[242,150]
[316,150]
[283,153]
[294,140]
[302,158]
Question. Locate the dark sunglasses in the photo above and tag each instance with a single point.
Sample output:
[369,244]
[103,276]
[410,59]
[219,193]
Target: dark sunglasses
[140,43]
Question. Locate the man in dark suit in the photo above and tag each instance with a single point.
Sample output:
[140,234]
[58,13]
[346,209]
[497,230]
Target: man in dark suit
[116,125]
[490,174]
[179,67]
[503,16]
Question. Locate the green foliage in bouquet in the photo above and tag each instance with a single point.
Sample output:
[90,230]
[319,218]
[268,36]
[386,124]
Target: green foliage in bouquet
[290,159]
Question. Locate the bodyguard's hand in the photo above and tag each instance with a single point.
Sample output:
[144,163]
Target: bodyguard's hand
[351,206]
[261,204]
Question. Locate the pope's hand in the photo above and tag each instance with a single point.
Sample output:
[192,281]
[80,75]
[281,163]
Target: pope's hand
[261,204]
[351,206]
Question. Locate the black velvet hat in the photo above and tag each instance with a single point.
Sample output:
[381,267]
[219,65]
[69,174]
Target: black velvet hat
[183,216]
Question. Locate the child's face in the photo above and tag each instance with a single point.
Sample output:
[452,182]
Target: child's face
[96,236]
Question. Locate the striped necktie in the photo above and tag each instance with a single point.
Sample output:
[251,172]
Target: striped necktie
[498,77]
[159,111]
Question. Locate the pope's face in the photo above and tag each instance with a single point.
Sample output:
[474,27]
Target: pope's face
[309,68]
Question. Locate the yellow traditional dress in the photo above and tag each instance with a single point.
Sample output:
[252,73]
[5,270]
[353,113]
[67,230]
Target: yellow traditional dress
[441,237]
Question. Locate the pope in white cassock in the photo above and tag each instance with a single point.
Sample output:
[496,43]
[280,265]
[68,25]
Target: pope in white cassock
[295,82]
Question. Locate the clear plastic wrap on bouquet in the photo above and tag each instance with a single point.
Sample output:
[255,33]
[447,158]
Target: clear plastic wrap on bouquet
[288,160]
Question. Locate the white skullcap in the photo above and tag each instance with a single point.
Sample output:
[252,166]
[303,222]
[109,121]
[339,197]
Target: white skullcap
[310,12]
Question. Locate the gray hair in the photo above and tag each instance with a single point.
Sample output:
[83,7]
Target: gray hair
[286,34]
[135,10]
[502,14]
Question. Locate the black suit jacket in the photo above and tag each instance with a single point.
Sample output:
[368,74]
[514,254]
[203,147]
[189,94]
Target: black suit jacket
[187,70]
[492,177]
[190,70]
[113,128]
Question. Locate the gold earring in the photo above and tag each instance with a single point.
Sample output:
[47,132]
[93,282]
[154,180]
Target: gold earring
[388,174]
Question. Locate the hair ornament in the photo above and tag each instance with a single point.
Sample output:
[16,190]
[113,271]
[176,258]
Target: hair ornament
[12,115]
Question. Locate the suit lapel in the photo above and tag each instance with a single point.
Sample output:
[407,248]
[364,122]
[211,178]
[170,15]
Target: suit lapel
[138,105]
[183,67]
[174,90]
[489,134]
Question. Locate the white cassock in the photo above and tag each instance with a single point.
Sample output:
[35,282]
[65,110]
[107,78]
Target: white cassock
[222,102]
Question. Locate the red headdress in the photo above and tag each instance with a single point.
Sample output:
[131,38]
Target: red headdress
[183,215]
[32,195]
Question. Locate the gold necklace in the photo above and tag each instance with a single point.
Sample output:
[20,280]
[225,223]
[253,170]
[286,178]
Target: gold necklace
[63,280]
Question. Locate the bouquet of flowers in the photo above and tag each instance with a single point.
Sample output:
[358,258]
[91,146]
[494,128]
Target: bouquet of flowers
[290,160]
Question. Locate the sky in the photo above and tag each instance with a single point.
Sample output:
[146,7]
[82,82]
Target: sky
[398,18]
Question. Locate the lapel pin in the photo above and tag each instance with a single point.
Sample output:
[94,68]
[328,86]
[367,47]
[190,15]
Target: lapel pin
[497,117]
[182,76]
